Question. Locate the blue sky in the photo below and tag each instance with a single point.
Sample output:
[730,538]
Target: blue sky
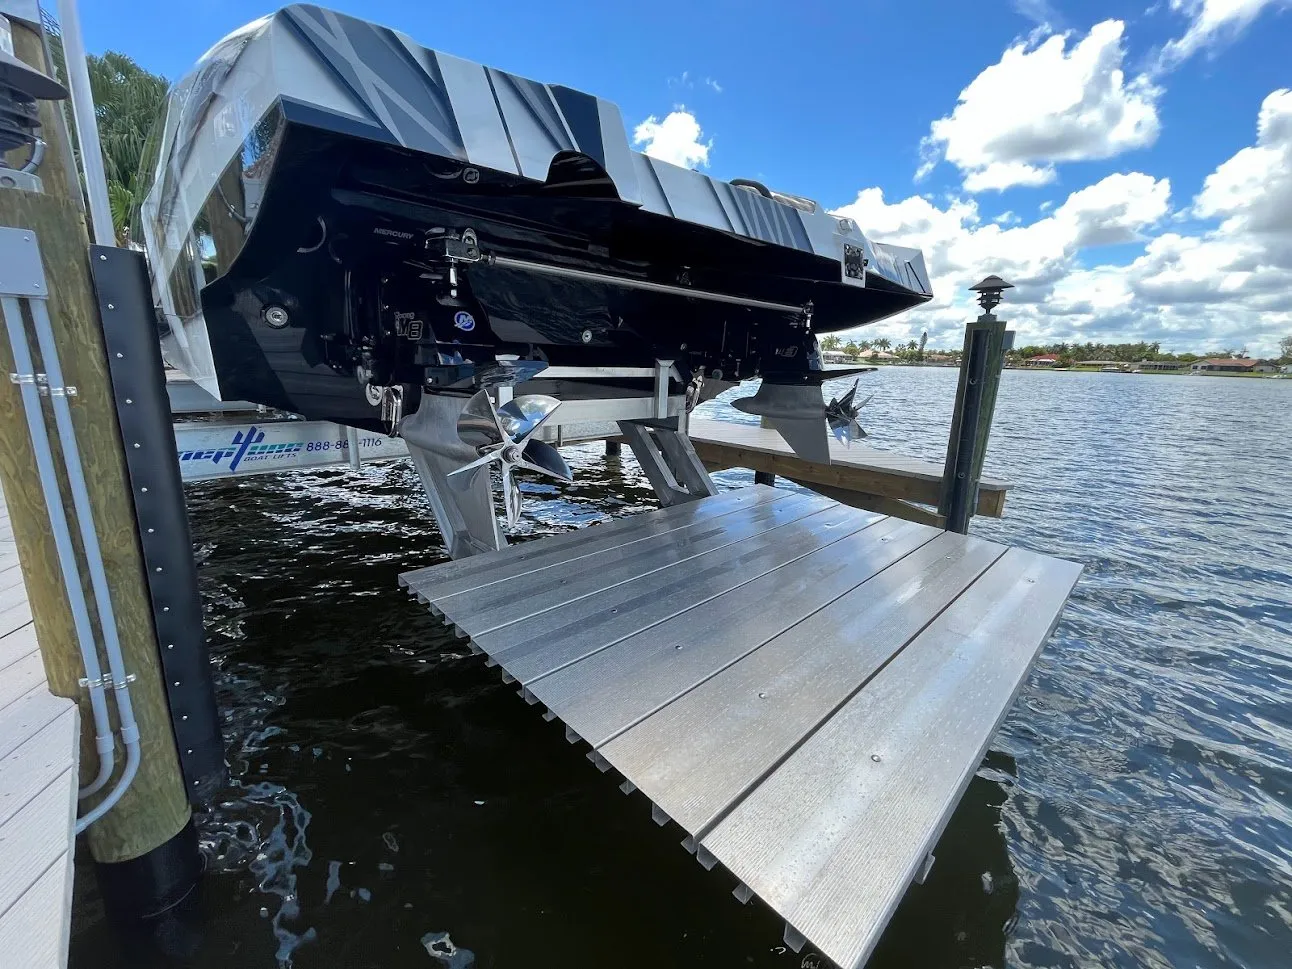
[1105,156]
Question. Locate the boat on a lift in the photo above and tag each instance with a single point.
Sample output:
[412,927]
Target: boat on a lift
[346,225]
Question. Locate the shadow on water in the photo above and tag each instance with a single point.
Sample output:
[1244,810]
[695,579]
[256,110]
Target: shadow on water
[394,804]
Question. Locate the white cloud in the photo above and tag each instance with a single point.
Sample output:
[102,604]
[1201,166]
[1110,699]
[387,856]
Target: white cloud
[1041,104]
[1252,191]
[710,82]
[1211,24]
[676,139]
[1227,285]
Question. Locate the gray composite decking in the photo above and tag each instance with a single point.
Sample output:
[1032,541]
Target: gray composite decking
[804,687]
[39,754]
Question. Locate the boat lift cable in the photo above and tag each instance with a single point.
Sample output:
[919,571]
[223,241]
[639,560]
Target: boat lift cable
[26,379]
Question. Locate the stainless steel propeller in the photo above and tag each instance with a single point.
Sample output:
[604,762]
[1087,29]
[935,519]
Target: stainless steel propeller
[841,415]
[503,435]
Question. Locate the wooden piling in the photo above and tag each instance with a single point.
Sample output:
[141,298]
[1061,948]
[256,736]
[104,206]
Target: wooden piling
[154,809]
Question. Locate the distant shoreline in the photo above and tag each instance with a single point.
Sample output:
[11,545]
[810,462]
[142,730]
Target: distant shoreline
[1155,373]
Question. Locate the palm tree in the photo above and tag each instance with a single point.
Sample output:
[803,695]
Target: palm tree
[883,343]
[128,100]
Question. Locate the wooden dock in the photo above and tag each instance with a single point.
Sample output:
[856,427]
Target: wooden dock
[39,754]
[805,688]
[861,476]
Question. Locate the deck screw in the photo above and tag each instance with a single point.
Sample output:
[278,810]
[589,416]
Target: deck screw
[170,645]
[165,608]
[150,531]
[762,696]
[159,568]
[118,356]
[144,490]
[876,758]
[189,751]
[103,258]
[184,717]
[129,401]
[177,682]
[136,444]
[111,307]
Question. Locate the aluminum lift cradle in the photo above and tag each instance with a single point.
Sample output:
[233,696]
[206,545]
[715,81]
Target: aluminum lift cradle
[804,688]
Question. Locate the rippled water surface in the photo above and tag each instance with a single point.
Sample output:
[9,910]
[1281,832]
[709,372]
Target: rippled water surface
[393,804]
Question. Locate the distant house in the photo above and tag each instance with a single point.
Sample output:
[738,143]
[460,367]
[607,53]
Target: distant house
[879,355]
[1159,365]
[1043,360]
[1286,368]
[834,356]
[1265,366]
[1226,365]
[1114,364]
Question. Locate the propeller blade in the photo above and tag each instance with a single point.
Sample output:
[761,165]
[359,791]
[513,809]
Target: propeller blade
[494,454]
[479,425]
[846,399]
[542,457]
[510,496]
[522,415]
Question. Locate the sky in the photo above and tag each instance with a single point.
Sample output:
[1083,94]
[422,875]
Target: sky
[1128,167]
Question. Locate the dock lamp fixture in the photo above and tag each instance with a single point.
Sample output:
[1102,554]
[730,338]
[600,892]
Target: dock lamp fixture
[989,292]
[21,86]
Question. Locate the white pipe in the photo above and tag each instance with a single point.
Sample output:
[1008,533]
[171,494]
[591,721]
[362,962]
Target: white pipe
[89,540]
[103,741]
[87,129]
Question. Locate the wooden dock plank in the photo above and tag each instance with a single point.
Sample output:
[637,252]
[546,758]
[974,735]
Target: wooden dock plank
[28,932]
[704,751]
[564,635]
[39,753]
[17,644]
[856,468]
[808,700]
[530,595]
[18,678]
[35,763]
[35,838]
[615,688]
[834,837]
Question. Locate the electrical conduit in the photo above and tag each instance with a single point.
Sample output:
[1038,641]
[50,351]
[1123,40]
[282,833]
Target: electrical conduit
[103,742]
[94,560]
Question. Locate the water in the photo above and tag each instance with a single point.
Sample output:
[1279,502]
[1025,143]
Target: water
[393,804]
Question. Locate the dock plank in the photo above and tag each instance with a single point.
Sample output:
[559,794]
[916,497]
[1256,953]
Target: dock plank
[35,940]
[35,838]
[490,567]
[39,754]
[704,751]
[620,686]
[562,636]
[35,763]
[530,595]
[20,677]
[17,644]
[808,698]
[834,837]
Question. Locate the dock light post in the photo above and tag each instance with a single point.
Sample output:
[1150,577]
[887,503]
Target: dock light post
[986,341]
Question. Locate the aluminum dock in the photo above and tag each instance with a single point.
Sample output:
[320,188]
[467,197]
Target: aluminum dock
[39,755]
[805,688]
